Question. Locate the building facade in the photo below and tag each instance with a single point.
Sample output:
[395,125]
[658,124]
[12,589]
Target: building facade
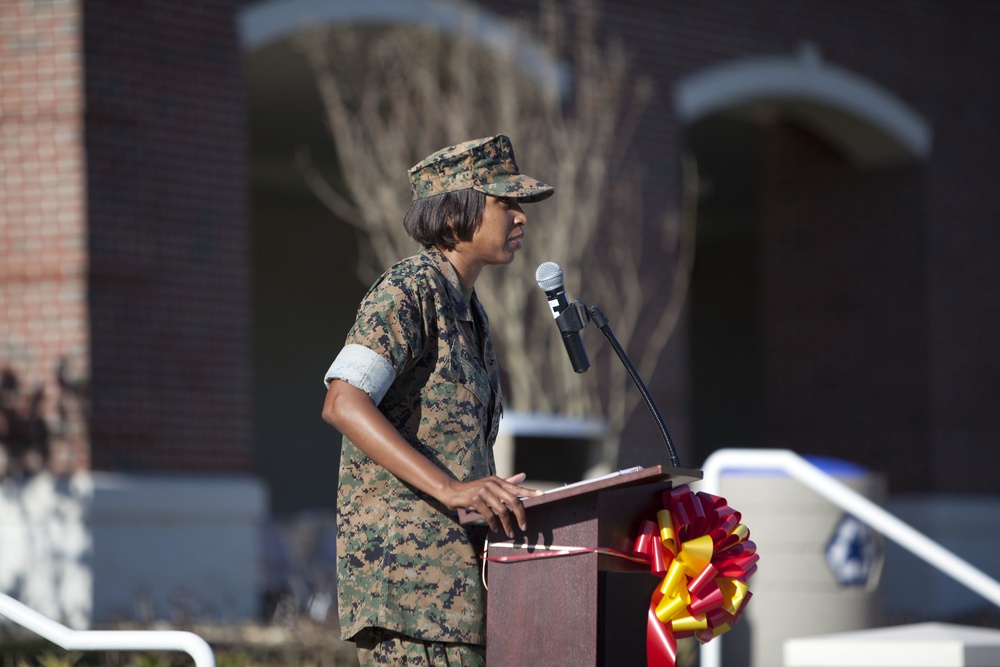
[157,258]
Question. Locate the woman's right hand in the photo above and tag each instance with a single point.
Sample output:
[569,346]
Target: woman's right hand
[497,500]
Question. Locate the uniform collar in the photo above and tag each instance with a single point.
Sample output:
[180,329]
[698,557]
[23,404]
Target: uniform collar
[437,258]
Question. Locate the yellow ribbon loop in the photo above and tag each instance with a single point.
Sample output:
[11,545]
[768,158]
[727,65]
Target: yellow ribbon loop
[725,627]
[733,592]
[666,531]
[689,622]
[675,579]
[696,554]
[671,606]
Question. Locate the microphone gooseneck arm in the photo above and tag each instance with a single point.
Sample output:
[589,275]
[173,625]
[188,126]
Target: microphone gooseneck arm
[602,323]
[573,317]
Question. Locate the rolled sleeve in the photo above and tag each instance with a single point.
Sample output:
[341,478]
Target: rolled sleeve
[362,368]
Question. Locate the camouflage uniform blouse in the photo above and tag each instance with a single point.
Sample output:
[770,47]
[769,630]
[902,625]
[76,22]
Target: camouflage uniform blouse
[404,562]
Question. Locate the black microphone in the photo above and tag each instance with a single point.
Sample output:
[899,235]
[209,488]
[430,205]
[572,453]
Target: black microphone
[550,278]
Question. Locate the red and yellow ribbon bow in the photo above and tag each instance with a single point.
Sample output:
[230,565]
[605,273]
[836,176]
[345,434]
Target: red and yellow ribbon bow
[705,556]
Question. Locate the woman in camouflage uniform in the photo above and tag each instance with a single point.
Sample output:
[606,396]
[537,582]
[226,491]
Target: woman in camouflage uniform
[416,394]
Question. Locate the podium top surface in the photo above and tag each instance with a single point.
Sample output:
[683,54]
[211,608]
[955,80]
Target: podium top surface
[616,480]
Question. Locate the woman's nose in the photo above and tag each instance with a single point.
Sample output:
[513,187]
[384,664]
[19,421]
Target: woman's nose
[520,217]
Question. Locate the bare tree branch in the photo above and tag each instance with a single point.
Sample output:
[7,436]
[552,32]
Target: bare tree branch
[395,94]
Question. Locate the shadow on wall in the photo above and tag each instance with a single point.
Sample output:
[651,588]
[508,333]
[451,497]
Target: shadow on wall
[24,435]
[45,559]
[84,547]
[27,434]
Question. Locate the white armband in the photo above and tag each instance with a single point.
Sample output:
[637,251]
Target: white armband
[362,368]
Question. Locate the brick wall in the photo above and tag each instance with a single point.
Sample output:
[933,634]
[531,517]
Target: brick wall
[880,300]
[962,199]
[132,267]
[843,308]
[43,256]
[168,236]
[125,236]
[887,286]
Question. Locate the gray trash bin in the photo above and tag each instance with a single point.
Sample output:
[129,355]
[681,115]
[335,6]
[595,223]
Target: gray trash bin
[819,569]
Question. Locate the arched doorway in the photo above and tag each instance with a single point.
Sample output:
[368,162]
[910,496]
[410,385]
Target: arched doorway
[304,281]
[306,287]
[808,267]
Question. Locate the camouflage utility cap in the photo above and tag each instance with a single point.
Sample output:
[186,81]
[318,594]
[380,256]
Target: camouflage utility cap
[486,165]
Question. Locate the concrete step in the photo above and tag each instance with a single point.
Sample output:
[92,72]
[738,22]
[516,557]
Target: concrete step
[918,645]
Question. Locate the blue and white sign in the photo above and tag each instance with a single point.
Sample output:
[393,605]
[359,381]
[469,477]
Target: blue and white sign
[853,552]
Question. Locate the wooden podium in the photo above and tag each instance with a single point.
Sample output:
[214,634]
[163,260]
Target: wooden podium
[579,609]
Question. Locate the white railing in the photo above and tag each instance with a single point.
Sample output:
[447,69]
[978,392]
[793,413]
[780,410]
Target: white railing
[107,640]
[851,502]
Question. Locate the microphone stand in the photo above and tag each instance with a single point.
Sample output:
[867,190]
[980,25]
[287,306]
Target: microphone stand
[574,319]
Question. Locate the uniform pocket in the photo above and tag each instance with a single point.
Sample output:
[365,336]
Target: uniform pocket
[457,422]
[468,372]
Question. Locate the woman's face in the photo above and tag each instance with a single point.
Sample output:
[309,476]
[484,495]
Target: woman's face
[501,233]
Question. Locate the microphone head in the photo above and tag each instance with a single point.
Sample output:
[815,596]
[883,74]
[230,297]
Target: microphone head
[549,276]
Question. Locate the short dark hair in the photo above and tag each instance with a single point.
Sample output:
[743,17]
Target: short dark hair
[428,219]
